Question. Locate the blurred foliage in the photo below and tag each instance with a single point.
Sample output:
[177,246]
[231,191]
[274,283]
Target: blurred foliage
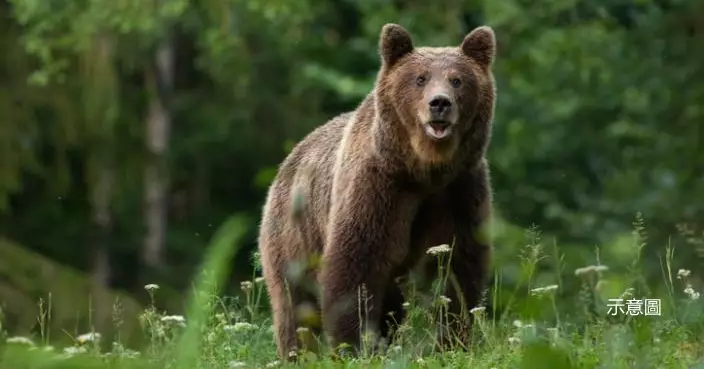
[38,291]
[599,117]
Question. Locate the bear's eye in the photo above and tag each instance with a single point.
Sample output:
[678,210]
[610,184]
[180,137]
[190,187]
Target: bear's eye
[455,82]
[420,80]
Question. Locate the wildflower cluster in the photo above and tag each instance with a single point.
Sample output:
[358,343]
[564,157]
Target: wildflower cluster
[683,275]
[440,249]
[541,291]
[591,269]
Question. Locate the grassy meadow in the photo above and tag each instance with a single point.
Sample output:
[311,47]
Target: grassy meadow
[540,328]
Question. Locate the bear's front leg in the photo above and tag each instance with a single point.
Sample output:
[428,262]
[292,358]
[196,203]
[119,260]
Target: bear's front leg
[368,234]
[471,254]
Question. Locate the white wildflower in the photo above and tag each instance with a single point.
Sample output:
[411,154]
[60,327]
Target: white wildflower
[406,304]
[73,350]
[444,300]
[543,290]
[590,269]
[302,330]
[517,323]
[89,337]
[246,285]
[273,364]
[691,293]
[514,340]
[397,349]
[151,287]
[236,364]
[683,273]
[439,249]
[20,341]
[174,319]
[240,327]
[477,310]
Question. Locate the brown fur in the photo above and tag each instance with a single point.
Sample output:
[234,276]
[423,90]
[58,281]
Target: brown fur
[377,192]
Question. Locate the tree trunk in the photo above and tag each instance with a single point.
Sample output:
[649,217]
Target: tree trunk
[100,100]
[156,176]
[102,219]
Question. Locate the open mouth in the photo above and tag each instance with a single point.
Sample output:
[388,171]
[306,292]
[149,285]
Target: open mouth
[438,129]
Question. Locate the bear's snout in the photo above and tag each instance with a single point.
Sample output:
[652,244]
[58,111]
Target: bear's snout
[440,107]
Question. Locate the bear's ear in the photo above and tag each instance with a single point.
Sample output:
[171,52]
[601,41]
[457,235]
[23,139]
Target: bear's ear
[394,43]
[480,45]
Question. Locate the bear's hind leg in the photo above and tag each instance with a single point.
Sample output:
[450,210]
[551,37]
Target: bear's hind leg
[283,316]
[296,314]
[307,314]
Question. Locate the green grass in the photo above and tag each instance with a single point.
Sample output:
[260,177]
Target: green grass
[540,326]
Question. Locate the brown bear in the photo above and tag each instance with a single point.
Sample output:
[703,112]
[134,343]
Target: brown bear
[371,190]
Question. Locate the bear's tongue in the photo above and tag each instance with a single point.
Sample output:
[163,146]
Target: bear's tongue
[438,129]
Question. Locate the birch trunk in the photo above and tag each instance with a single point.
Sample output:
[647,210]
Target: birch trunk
[156,176]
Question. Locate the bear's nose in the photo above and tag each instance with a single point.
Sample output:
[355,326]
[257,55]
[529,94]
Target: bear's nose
[439,106]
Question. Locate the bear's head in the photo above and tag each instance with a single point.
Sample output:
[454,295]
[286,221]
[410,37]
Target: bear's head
[442,96]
